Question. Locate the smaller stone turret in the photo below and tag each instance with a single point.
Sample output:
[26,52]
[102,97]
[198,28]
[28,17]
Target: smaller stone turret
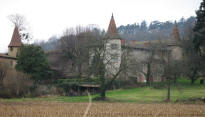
[15,43]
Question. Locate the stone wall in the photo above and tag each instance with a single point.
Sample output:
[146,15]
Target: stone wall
[12,51]
[9,61]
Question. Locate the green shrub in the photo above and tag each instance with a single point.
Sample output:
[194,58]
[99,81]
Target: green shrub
[72,85]
[32,60]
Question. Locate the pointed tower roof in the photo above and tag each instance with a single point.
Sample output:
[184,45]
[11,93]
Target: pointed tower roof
[112,30]
[15,40]
[176,32]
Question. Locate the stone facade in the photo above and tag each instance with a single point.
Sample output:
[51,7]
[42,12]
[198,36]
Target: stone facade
[8,60]
[12,51]
[13,48]
[138,53]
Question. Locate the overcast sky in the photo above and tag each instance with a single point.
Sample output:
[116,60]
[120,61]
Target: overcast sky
[46,18]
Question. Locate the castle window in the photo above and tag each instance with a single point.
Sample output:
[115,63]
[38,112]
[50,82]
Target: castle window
[114,57]
[114,46]
[11,48]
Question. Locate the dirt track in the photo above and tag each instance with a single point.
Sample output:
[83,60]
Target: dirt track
[57,109]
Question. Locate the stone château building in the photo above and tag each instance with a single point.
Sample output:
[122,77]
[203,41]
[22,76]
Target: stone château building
[138,53]
[116,48]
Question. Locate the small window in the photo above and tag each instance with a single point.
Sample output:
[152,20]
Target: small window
[114,46]
[11,48]
[114,57]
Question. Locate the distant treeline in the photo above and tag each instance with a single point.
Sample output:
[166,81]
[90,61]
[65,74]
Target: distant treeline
[51,44]
[137,31]
[156,29]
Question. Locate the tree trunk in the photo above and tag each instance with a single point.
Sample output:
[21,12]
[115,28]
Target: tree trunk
[201,81]
[193,77]
[73,67]
[102,94]
[168,91]
[148,74]
[102,87]
[1,86]
[192,81]
[175,80]
[79,70]
[1,83]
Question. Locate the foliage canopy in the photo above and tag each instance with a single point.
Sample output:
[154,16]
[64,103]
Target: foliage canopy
[32,60]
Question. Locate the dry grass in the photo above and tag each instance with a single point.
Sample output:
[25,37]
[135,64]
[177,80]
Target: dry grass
[58,109]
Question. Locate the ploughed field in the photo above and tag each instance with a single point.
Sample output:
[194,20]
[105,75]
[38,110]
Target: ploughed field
[60,109]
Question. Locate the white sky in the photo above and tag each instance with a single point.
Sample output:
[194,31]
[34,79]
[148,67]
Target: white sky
[51,17]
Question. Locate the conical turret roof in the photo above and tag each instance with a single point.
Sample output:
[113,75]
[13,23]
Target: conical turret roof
[112,30]
[176,32]
[16,39]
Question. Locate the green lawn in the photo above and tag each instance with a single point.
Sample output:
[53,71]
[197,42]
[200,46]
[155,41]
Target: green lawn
[182,90]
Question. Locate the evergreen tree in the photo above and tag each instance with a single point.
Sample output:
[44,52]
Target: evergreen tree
[200,18]
[199,37]
[32,60]
[143,26]
[199,27]
[155,25]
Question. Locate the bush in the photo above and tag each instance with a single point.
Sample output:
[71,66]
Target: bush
[120,83]
[44,90]
[72,86]
[32,60]
[16,84]
[73,82]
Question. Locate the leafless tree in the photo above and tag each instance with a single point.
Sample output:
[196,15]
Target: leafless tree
[146,62]
[172,67]
[191,60]
[149,62]
[104,67]
[193,63]
[20,22]
[74,45]
[3,71]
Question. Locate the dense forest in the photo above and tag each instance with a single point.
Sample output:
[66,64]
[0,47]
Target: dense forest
[138,31]
[155,30]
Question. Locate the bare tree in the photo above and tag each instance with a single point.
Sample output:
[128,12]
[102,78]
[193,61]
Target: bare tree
[149,62]
[74,45]
[146,62]
[172,68]
[20,22]
[104,66]
[17,83]
[192,61]
[3,71]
